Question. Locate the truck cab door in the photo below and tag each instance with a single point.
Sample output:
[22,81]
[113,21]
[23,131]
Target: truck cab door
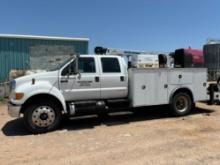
[114,80]
[84,85]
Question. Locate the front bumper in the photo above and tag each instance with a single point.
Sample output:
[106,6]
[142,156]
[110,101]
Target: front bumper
[14,110]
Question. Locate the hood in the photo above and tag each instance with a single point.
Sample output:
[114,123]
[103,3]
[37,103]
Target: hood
[51,77]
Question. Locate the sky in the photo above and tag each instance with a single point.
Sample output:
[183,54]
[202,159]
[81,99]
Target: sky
[148,25]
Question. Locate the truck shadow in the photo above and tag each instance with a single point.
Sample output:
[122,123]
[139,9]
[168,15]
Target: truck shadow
[16,127]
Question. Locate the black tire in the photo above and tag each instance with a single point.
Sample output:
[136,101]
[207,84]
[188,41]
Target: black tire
[181,104]
[52,124]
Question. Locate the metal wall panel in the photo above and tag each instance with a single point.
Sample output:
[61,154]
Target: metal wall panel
[15,52]
[212,60]
[212,56]
[12,56]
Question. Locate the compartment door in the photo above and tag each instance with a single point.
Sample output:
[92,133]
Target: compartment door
[143,92]
[162,87]
[149,88]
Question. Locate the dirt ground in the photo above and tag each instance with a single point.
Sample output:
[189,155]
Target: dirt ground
[150,136]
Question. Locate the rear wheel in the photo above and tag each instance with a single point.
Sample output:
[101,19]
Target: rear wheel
[181,104]
[42,116]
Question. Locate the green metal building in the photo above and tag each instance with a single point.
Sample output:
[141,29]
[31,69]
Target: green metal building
[22,52]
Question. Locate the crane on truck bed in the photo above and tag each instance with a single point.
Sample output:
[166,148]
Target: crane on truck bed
[122,52]
[138,59]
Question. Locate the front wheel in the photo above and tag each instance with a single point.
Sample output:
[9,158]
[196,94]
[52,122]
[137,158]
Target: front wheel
[181,104]
[42,116]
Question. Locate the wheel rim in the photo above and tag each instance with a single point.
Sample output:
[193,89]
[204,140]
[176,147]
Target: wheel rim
[43,116]
[182,104]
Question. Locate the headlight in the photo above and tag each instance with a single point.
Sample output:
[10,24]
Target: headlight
[13,85]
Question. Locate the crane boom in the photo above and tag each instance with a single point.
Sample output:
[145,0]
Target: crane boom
[137,59]
[121,52]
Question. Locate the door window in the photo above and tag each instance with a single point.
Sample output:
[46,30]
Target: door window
[110,65]
[70,69]
[87,65]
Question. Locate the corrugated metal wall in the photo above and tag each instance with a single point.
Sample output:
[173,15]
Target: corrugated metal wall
[212,60]
[15,52]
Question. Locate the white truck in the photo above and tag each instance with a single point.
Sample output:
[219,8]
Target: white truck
[88,84]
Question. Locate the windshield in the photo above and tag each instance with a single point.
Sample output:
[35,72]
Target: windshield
[59,66]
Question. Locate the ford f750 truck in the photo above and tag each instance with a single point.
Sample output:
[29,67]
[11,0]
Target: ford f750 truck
[88,84]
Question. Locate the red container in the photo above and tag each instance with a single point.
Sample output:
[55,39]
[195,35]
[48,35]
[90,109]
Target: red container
[188,58]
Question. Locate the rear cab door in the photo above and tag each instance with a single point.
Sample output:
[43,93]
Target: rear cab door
[113,77]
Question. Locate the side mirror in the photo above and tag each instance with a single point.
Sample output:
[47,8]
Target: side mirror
[72,68]
[76,67]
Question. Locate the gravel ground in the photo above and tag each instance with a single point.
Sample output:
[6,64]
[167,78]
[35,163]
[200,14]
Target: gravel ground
[150,136]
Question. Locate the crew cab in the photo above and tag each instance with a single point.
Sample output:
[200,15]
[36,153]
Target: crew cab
[87,84]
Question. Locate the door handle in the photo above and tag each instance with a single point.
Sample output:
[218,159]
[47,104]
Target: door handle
[96,79]
[64,81]
[122,78]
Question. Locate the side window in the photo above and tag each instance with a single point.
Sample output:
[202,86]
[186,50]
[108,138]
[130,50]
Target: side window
[65,71]
[110,65]
[87,65]
[70,69]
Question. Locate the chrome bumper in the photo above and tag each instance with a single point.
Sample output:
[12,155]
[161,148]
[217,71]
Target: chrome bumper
[14,110]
